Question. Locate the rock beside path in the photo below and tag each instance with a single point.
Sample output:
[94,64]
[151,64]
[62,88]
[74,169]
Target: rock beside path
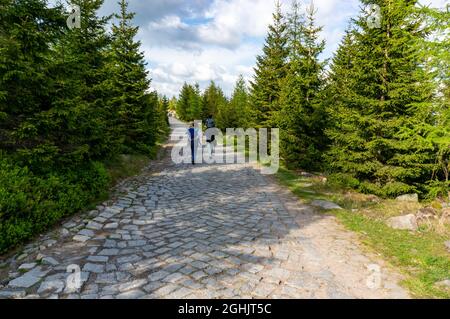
[447,245]
[325,204]
[405,222]
[414,198]
[443,284]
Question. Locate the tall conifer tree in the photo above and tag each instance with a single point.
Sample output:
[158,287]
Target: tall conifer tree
[195,103]
[382,103]
[213,100]
[28,32]
[436,50]
[301,118]
[269,72]
[80,102]
[131,107]
[235,113]
[182,105]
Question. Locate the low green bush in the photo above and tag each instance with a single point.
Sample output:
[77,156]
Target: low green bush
[436,188]
[30,204]
[343,180]
[388,190]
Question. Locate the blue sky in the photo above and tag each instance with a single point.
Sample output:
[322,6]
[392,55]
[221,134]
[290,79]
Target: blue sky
[204,40]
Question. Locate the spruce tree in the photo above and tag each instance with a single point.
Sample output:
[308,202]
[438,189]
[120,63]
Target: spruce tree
[302,118]
[183,102]
[28,32]
[130,108]
[195,103]
[173,104]
[235,114]
[381,104]
[80,65]
[436,51]
[163,111]
[239,104]
[269,72]
[213,100]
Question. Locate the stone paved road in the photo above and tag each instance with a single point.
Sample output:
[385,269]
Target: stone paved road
[221,231]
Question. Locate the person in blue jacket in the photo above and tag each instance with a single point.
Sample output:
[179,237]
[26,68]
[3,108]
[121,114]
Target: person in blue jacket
[194,139]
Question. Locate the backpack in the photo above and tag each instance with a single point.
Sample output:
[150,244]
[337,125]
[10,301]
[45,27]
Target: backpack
[210,123]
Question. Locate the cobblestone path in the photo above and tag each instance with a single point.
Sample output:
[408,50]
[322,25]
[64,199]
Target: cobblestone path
[205,231]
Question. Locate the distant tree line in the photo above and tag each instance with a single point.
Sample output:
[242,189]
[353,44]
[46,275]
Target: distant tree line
[228,113]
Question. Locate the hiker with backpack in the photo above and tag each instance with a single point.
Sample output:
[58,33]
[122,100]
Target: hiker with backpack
[211,140]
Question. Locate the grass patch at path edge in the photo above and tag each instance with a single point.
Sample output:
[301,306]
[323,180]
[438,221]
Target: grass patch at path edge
[420,256]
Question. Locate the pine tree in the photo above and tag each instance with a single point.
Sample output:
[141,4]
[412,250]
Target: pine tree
[163,111]
[269,72]
[436,51]
[183,102]
[239,104]
[302,118]
[79,106]
[195,103]
[28,31]
[173,104]
[130,107]
[235,114]
[382,101]
[213,100]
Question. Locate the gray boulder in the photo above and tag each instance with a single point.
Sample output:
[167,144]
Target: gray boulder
[325,204]
[408,222]
[425,215]
[408,198]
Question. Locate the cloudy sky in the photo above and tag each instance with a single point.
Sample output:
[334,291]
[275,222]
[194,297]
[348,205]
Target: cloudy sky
[204,40]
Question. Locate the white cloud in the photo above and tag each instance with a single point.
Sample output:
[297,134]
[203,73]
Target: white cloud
[233,20]
[226,41]
[203,40]
[168,22]
[170,67]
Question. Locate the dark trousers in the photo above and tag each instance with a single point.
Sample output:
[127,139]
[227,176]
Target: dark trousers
[193,151]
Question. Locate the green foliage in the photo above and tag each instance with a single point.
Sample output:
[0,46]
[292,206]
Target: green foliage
[436,52]
[420,256]
[164,105]
[79,106]
[27,30]
[182,107]
[192,105]
[214,101]
[29,204]
[269,72]
[195,103]
[236,113]
[301,117]
[381,104]
[69,100]
[131,109]
[343,180]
